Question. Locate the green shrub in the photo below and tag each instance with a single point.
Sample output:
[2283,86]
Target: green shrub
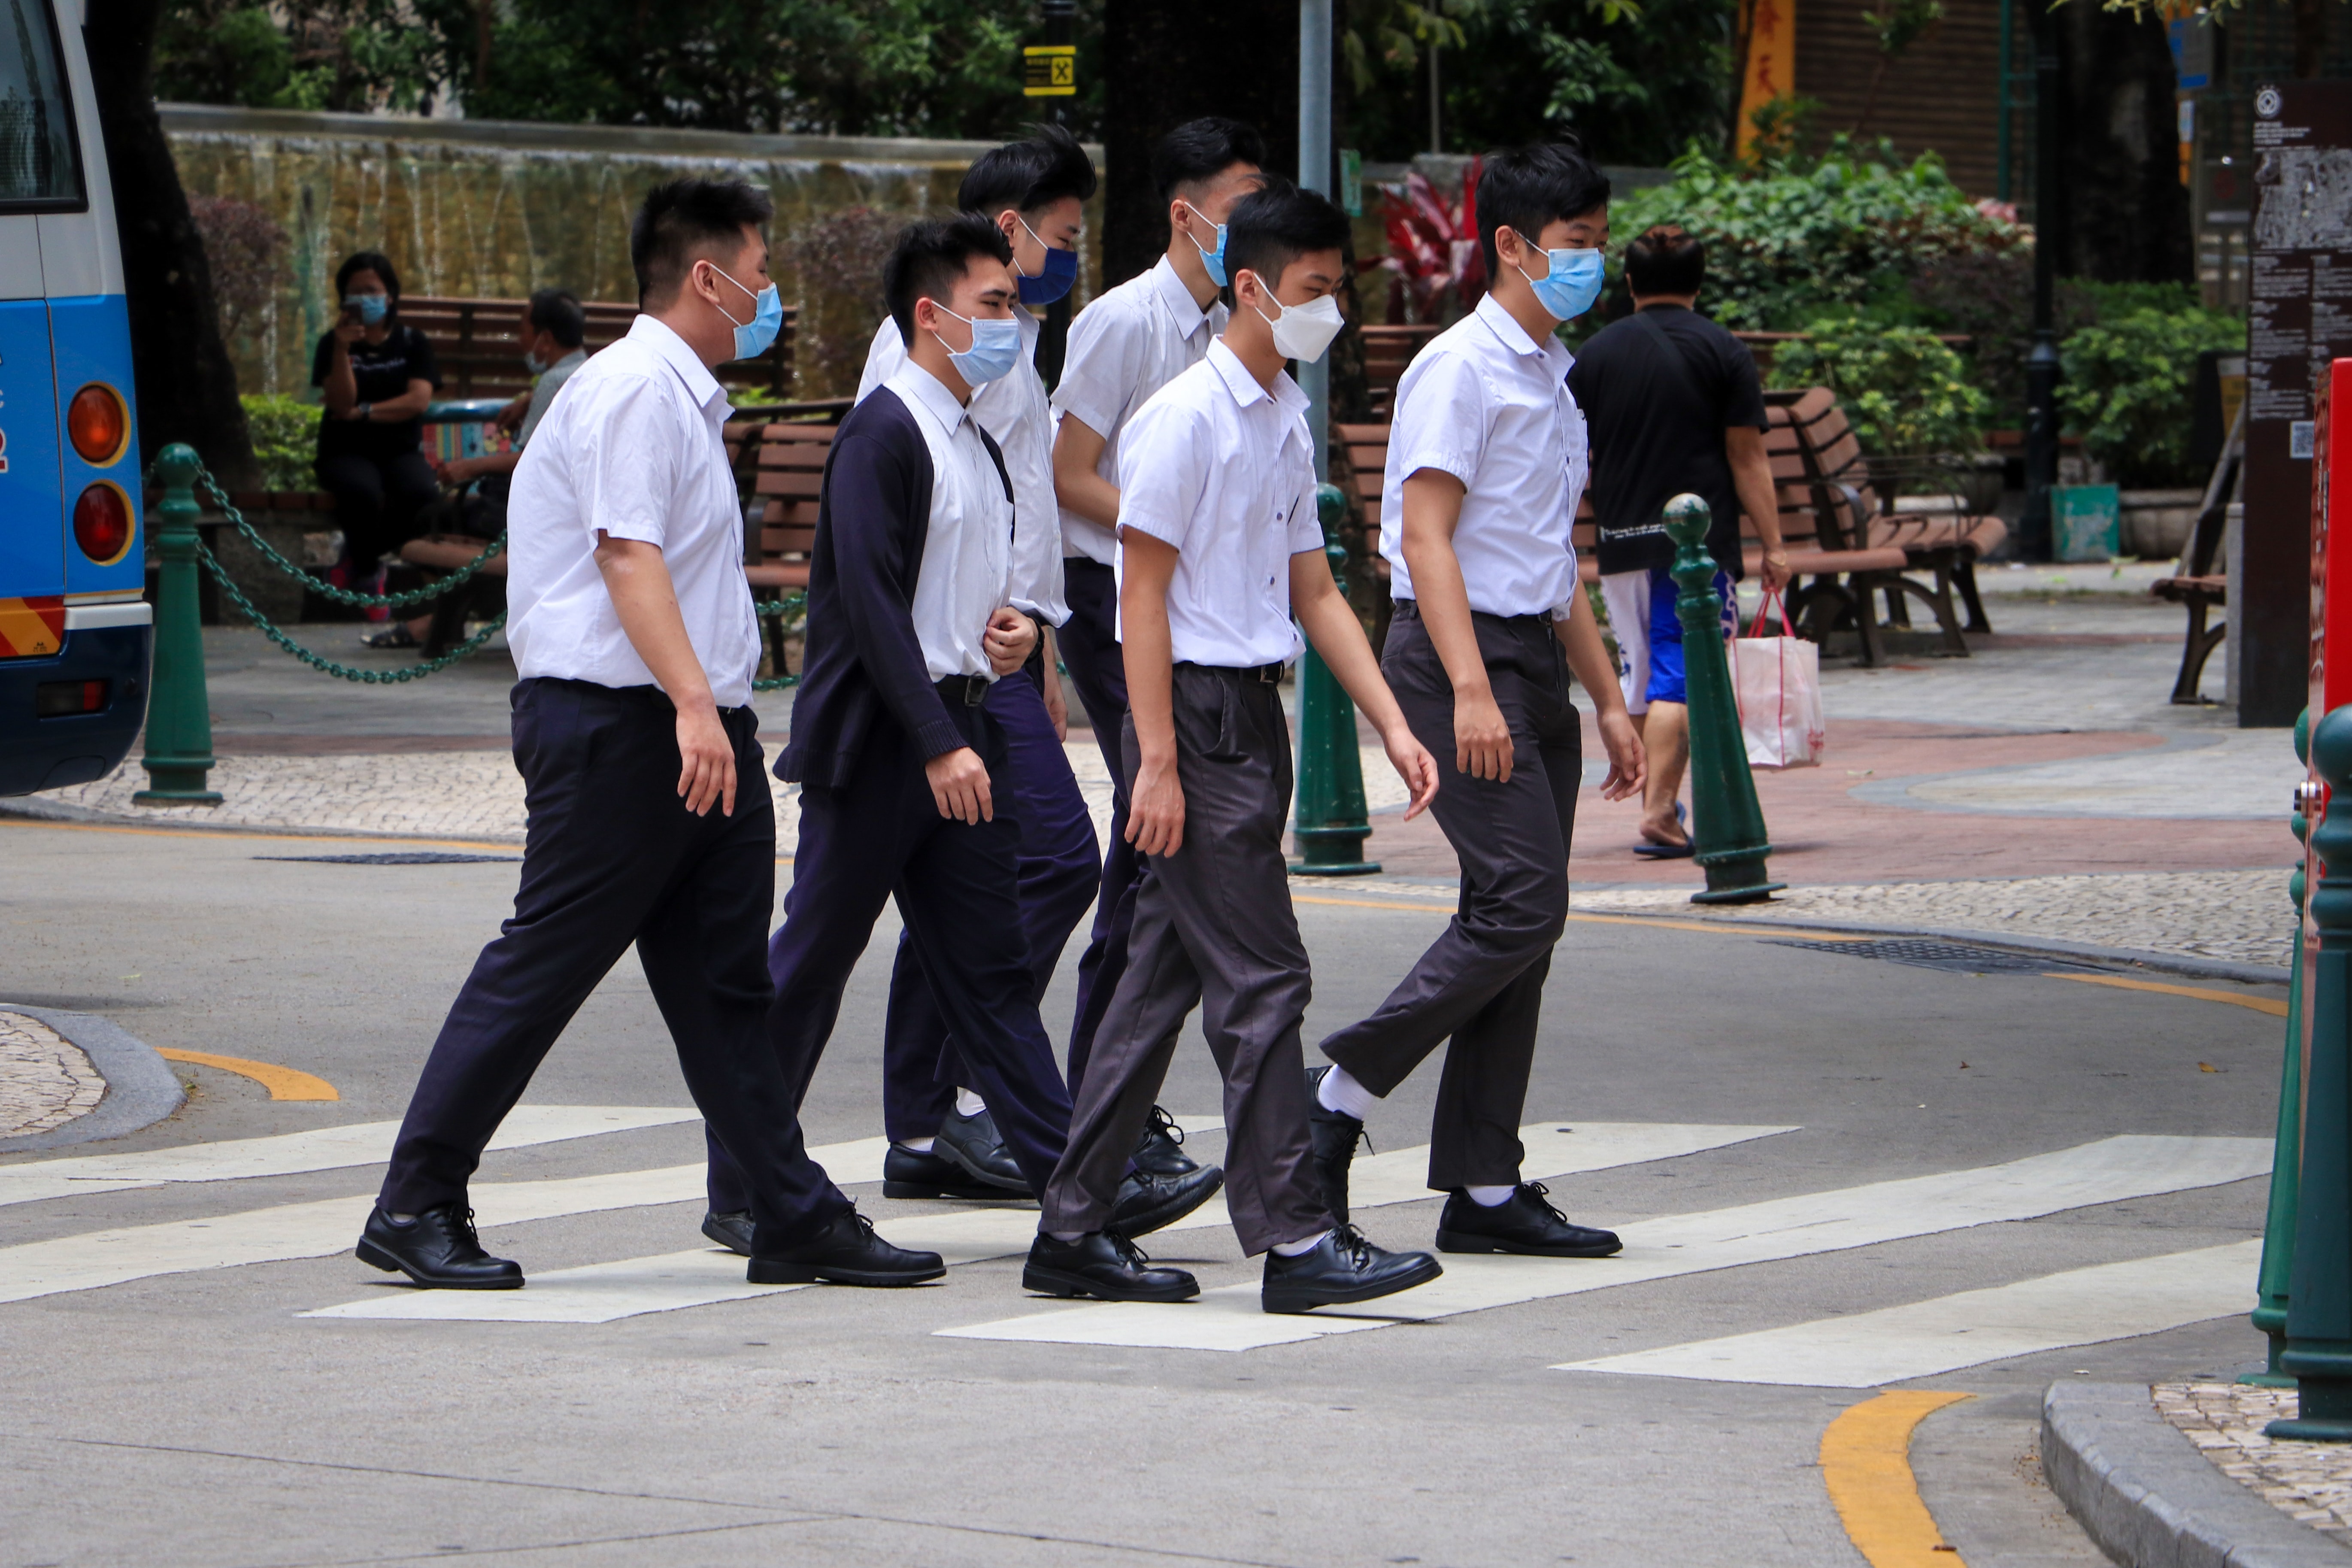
[285,440]
[1905,392]
[2127,388]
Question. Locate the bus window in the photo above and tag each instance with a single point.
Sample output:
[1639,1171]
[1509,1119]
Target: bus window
[40,168]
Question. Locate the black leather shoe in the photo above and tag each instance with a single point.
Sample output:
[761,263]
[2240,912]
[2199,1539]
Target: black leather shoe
[917,1174]
[437,1249]
[1522,1223]
[1105,1265]
[1341,1268]
[731,1230]
[847,1253]
[1147,1203]
[1156,1152]
[974,1143]
[1334,1133]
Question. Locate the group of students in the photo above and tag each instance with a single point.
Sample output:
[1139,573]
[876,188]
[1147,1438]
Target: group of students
[1152,526]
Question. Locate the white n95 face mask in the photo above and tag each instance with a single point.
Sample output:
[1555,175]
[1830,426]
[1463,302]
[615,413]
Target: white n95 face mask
[1304,332]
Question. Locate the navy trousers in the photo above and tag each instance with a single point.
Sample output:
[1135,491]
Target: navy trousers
[1058,871]
[1097,666]
[881,836]
[612,856]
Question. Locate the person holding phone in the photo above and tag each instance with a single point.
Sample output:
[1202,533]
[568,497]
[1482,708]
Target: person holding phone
[375,374]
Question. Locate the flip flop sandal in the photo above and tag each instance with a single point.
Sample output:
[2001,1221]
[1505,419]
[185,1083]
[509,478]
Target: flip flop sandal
[395,636]
[1663,851]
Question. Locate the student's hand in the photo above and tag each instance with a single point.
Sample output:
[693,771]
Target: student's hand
[1482,742]
[1629,765]
[959,781]
[1057,701]
[1415,766]
[1775,569]
[1009,640]
[707,759]
[511,417]
[1155,811]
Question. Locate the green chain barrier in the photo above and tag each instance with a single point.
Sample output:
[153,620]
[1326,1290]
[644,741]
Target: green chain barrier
[319,662]
[268,552]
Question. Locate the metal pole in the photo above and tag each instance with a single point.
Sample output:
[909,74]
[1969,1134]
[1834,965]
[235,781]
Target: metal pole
[1726,820]
[2286,1149]
[1054,341]
[179,713]
[1315,175]
[1436,105]
[1331,823]
[2033,533]
[2001,126]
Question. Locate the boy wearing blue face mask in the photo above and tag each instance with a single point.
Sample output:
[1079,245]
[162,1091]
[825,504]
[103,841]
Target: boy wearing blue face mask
[1487,464]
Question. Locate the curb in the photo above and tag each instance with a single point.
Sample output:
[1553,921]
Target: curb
[141,1088]
[2142,1490]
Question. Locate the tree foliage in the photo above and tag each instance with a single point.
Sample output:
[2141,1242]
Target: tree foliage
[2127,388]
[1906,393]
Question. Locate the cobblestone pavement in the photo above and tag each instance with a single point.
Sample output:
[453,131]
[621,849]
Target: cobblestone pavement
[2312,1482]
[44,1080]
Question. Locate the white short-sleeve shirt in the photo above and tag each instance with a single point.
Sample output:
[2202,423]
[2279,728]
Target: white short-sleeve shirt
[1220,468]
[1014,409]
[968,550]
[1486,404]
[1131,341]
[632,448]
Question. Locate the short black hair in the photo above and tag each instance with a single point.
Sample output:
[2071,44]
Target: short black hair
[1276,225]
[374,261]
[1043,167]
[931,254]
[1203,149]
[682,217]
[1665,260]
[557,312]
[1526,188]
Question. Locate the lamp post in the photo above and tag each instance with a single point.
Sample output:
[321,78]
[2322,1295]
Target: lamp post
[1315,175]
[2034,531]
[1051,72]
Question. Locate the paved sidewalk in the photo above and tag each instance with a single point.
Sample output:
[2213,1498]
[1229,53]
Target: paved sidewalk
[44,1080]
[2310,1483]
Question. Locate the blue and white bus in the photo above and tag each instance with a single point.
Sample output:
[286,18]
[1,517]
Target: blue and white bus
[74,633]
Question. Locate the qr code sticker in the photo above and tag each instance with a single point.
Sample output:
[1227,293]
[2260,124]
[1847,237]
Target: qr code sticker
[2299,438]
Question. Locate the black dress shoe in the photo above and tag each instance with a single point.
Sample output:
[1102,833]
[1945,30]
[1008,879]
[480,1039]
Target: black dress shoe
[731,1230]
[974,1143]
[1522,1223]
[1105,1265]
[1341,1268]
[918,1174]
[437,1249]
[1156,1152]
[1147,1203]
[1334,1135]
[846,1253]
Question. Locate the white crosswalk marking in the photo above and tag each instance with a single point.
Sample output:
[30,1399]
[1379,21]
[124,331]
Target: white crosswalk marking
[294,1153]
[1866,1350]
[2109,1170]
[667,1283]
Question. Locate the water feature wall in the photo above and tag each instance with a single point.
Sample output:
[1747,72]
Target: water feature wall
[490,208]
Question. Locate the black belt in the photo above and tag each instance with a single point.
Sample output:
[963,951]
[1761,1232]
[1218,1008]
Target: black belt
[1255,673]
[972,691]
[1410,611]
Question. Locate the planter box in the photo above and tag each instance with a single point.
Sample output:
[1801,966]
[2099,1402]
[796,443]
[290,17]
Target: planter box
[2157,523]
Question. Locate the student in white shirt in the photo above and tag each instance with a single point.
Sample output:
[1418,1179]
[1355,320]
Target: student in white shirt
[1220,547]
[650,821]
[1126,345]
[1487,464]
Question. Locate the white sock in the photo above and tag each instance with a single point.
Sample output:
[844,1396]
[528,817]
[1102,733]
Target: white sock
[1487,1197]
[400,1219]
[920,1146]
[1342,1093]
[969,1103]
[1294,1249]
[1065,1237]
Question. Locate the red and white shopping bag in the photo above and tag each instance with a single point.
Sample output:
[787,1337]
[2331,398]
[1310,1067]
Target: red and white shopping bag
[1778,681]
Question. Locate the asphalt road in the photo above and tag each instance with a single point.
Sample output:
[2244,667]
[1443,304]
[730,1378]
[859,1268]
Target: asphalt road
[194,1417]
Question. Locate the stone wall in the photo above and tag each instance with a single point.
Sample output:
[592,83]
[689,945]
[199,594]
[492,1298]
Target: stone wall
[496,209]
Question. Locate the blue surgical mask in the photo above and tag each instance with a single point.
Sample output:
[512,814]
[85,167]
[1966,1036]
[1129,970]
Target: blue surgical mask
[995,349]
[1568,289]
[752,337]
[1060,274]
[1215,260]
[533,363]
[372,307]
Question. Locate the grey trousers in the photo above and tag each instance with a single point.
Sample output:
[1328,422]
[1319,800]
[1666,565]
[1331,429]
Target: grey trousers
[1214,926]
[1482,980]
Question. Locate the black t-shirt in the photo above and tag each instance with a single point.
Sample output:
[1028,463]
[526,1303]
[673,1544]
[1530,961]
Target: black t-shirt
[1658,390]
[383,371]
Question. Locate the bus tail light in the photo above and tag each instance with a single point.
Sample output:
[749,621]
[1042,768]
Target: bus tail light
[62,698]
[101,523]
[97,424]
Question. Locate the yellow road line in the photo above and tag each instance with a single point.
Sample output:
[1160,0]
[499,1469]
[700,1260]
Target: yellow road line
[283,1083]
[1866,1465]
[2277,1009]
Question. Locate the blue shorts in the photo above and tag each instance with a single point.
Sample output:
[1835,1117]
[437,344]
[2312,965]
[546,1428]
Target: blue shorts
[1650,633]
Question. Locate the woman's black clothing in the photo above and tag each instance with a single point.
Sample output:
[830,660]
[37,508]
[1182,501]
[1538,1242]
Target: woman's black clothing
[377,471]
[383,371]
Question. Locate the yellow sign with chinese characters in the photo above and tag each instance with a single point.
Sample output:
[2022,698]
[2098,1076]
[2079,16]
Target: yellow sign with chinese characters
[1049,71]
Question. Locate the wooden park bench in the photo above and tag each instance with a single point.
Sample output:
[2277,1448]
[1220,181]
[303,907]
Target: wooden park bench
[474,340]
[1387,350]
[2199,583]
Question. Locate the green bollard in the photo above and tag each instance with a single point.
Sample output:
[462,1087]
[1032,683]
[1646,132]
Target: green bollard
[179,712]
[1332,823]
[1726,822]
[2318,1353]
[2286,1150]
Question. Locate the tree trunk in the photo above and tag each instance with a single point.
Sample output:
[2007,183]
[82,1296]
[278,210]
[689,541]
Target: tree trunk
[2123,213]
[186,387]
